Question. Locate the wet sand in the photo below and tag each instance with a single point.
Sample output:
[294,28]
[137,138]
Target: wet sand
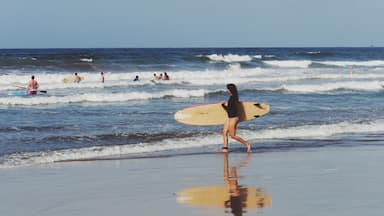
[343,181]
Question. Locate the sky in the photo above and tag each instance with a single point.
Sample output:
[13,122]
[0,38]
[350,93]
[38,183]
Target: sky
[190,23]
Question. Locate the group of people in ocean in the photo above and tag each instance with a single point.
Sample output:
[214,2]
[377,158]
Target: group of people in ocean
[33,85]
[161,76]
[155,77]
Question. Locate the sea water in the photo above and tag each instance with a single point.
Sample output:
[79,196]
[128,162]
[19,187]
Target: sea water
[319,97]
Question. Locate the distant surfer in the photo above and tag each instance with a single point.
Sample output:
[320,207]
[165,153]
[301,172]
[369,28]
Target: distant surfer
[230,125]
[77,78]
[136,78]
[102,77]
[33,85]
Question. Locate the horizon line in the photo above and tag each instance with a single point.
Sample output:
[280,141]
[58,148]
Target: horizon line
[186,47]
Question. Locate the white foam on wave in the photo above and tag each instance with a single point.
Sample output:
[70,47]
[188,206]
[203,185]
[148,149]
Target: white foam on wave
[372,63]
[348,75]
[233,73]
[312,132]
[229,58]
[102,151]
[331,86]
[318,131]
[289,63]
[86,60]
[313,52]
[307,63]
[234,67]
[100,97]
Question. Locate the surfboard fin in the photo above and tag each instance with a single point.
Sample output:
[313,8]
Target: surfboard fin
[256,116]
[258,105]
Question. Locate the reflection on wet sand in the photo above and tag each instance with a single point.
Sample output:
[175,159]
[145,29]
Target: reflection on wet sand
[231,196]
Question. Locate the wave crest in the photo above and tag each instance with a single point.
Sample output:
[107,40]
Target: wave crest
[311,132]
[229,58]
[289,63]
[100,97]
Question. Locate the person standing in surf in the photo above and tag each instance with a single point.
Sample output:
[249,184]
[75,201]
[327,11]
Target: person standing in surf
[230,124]
[102,77]
[77,78]
[166,76]
[33,85]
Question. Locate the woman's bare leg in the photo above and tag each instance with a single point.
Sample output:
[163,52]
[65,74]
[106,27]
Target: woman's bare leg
[232,132]
[225,136]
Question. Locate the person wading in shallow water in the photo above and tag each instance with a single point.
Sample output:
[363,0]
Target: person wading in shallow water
[230,124]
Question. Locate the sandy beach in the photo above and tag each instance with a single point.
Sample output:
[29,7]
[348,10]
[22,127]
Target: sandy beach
[319,181]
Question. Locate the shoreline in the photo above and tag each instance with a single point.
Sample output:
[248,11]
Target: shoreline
[320,181]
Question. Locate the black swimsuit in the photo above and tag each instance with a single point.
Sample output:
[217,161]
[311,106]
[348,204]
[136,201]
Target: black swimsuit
[231,108]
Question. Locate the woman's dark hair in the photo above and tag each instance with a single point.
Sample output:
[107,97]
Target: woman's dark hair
[232,88]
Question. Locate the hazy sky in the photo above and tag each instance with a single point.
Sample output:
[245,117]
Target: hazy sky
[192,23]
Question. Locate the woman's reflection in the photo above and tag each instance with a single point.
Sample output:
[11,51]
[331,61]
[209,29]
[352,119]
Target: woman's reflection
[230,196]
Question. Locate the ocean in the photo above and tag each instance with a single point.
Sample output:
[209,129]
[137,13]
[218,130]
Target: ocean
[319,98]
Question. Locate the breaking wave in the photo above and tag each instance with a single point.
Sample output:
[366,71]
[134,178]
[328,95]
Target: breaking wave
[229,58]
[181,143]
[100,97]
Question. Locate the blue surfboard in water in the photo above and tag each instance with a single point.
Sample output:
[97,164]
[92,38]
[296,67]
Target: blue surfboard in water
[24,94]
[18,94]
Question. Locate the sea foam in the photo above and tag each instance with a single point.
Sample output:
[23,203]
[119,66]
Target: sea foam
[332,86]
[229,58]
[307,132]
[372,63]
[100,97]
[289,63]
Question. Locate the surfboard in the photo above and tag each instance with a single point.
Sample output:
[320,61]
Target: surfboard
[214,114]
[24,94]
[18,94]
[71,79]
[219,195]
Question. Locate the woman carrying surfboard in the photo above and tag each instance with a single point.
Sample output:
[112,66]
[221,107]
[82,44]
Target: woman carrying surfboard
[233,118]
